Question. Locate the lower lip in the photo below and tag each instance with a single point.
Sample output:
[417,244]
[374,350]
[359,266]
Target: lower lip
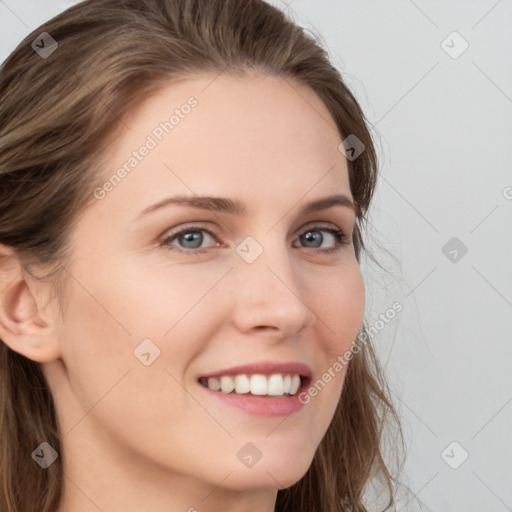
[261,406]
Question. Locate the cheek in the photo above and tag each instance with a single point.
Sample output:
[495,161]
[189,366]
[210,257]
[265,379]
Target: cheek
[146,298]
[108,316]
[117,308]
[339,304]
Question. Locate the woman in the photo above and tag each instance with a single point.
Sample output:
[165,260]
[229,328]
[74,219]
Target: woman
[184,186]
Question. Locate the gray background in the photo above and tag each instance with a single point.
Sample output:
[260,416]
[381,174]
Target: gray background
[443,127]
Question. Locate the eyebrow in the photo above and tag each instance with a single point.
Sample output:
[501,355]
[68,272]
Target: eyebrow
[225,205]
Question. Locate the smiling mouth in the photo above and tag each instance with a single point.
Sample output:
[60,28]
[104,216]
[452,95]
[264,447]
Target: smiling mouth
[275,385]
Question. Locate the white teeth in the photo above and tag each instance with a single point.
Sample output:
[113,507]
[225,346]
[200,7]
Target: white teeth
[227,384]
[257,384]
[295,384]
[286,384]
[275,385]
[242,384]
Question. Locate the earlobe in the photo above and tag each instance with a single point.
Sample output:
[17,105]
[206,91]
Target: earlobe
[25,322]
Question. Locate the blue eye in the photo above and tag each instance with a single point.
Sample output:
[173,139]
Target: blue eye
[328,239]
[313,238]
[196,239]
[190,238]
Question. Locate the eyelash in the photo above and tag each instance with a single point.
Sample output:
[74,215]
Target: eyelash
[340,237]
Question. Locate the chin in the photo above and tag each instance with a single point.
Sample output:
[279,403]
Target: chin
[269,474]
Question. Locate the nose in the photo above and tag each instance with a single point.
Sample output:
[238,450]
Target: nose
[271,299]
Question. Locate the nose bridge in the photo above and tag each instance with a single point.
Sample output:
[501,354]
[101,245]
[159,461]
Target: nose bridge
[270,293]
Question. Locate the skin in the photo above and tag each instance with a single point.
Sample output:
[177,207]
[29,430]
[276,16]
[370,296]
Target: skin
[148,437]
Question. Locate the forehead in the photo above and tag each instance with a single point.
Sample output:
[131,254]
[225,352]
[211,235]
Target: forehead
[220,133]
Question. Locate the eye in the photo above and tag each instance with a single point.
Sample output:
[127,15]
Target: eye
[325,238]
[197,239]
[190,239]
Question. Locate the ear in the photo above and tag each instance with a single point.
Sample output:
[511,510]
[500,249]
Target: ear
[27,324]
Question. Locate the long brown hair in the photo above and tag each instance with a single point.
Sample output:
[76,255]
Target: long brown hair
[59,112]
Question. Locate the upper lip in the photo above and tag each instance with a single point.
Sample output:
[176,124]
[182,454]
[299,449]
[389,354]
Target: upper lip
[265,368]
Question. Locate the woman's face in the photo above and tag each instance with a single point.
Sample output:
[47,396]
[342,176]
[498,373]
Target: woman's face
[166,288]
